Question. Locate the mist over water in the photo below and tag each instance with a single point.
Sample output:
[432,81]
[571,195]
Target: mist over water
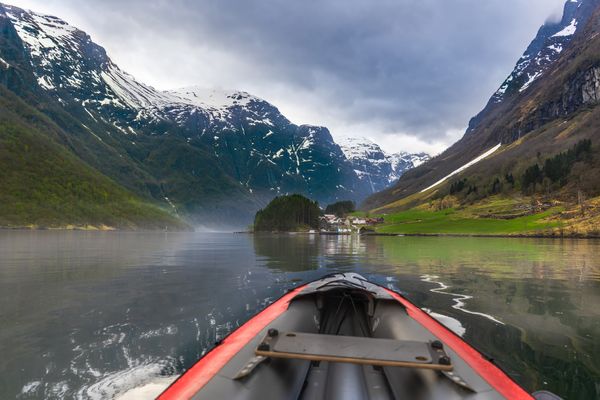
[92,315]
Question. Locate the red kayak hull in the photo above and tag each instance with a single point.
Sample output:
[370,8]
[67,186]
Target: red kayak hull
[194,379]
[209,365]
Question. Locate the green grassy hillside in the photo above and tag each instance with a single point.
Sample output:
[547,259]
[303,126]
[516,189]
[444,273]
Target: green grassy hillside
[498,215]
[42,184]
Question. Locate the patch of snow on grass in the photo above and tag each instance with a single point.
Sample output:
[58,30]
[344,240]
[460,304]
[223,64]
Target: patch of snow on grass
[531,79]
[90,131]
[30,388]
[467,165]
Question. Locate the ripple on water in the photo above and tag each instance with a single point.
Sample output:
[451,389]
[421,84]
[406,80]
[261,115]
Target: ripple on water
[459,299]
[123,384]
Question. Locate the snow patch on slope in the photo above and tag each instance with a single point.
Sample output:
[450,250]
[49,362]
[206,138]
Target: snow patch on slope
[212,98]
[43,34]
[530,79]
[4,64]
[568,30]
[359,148]
[136,95]
[467,165]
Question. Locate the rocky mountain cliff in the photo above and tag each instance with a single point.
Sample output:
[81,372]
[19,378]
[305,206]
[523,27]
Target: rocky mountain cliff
[205,154]
[376,167]
[546,105]
[552,38]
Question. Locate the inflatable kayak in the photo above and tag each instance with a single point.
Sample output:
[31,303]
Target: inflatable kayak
[342,337]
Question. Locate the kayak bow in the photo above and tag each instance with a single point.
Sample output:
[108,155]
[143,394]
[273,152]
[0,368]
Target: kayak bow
[343,337]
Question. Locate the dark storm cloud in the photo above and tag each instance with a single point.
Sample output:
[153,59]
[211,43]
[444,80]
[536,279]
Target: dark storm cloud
[419,68]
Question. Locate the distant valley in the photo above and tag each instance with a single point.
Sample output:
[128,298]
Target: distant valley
[83,144]
[376,168]
[198,155]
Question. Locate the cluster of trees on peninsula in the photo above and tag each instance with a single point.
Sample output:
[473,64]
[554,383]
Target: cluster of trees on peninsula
[341,208]
[296,213]
[288,213]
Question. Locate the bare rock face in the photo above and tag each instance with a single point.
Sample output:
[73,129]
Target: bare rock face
[590,90]
[579,90]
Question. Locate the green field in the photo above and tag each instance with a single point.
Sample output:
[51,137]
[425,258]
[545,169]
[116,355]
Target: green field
[451,221]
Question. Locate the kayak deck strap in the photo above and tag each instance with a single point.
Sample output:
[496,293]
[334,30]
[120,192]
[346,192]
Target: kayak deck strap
[249,367]
[354,350]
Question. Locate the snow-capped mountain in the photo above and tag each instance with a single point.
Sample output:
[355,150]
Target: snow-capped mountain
[545,49]
[376,167]
[192,146]
[66,61]
[551,39]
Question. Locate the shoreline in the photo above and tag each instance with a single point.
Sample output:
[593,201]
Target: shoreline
[60,228]
[454,235]
[479,235]
[383,234]
[84,229]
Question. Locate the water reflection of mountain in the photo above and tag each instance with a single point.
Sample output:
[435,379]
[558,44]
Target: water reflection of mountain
[546,292]
[286,252]
[305,252]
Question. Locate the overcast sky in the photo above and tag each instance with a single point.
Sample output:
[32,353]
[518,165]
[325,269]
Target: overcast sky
[406,73]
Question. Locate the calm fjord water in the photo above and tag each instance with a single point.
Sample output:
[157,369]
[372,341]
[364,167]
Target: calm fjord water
[93,314]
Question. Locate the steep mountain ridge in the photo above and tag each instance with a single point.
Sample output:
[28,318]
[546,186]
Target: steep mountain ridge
[206,153]
[552,112]
[552,38]
[376,167]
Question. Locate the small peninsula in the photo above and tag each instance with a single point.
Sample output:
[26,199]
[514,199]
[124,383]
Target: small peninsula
[288,213]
